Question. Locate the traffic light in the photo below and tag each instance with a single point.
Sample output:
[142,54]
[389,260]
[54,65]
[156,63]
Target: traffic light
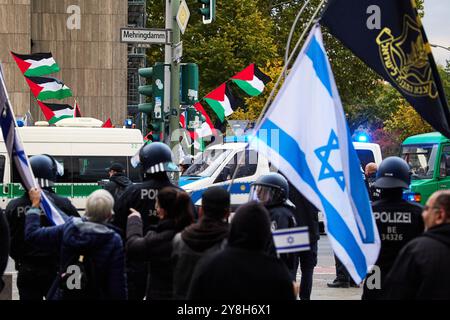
[208,10]
[154,90]
[189,83]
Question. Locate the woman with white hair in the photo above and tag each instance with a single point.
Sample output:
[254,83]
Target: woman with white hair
[86,245]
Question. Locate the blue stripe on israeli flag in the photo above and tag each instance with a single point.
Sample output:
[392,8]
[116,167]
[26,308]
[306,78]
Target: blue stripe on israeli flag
[291,240]
[17,153]
[306,136]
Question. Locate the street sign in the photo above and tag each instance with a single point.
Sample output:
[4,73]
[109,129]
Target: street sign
[183,16]
[144,36]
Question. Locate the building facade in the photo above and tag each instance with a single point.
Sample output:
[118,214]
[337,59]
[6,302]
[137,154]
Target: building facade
[84,38]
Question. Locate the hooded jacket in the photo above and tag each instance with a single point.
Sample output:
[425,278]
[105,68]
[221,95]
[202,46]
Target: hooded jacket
[243,270]
[117,184]
[78,236]
[190,246]
[421,270]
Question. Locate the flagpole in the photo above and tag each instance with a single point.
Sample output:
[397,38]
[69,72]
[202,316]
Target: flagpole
[291,34]
[272,93]
[3,84]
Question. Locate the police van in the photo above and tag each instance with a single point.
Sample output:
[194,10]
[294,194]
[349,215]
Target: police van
[216,166]
[84,151]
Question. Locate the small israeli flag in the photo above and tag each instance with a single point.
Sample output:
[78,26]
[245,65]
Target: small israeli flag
[291,240]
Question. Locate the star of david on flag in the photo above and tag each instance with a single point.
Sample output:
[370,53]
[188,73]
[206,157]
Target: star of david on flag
[307,138]
[327,170]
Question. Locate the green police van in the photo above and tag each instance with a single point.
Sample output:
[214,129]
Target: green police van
[428,155]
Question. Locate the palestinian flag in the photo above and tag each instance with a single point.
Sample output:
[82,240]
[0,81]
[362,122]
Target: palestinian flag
[54,112]
[251,80]
[223,101]
[48,88]
[36,64]
[207,126]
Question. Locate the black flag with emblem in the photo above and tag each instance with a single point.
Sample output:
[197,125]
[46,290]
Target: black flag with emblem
[389,37]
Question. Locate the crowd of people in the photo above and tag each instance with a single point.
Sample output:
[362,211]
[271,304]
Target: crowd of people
[147,240]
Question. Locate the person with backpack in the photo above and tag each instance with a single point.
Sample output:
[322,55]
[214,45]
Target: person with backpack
[174,210]
[118,181]
[201,239]
[92,261]
[36,268]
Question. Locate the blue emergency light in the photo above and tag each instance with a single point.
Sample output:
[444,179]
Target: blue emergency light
[362,137]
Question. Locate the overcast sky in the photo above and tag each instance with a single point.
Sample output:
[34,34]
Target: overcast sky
[437,27]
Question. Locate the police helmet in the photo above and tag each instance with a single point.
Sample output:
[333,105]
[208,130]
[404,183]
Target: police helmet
[156,157]
[393,172]
[45,169]
[270,189]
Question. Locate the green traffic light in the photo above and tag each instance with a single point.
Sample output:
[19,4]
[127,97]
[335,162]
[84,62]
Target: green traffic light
[204,12]
[146,108]
[146,72]
[146,90]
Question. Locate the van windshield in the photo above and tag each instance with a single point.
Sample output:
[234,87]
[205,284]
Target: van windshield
[421,159]
[206,163]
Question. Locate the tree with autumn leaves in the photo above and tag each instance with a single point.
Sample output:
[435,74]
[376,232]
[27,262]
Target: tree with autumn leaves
[246,32]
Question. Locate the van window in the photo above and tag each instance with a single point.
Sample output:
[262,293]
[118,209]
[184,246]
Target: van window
[65,161]
[365,157]
[2,167]
[421,159]
[93,169]
[445,154]
[247,169]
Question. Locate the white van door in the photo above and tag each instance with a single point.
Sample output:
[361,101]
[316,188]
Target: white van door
[247,173]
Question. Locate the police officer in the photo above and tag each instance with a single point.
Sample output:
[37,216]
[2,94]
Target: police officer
[155,161]
[398,221]
[272,190]
[36,267]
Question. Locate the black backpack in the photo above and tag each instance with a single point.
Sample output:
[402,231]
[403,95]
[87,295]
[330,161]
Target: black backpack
[79,280]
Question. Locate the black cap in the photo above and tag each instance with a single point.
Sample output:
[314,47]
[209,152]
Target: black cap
[116,167]
[215,201]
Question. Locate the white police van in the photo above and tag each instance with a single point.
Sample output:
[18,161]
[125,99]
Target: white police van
[216,166]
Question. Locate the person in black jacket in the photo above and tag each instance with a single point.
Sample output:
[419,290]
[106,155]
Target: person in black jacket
[243,270]
[200,239]
[4,246]
[175,213]
[398,221]
[155,161]
[306,215]
[420,271]
[118,181]
[36,267]
[89,237]
[272,191]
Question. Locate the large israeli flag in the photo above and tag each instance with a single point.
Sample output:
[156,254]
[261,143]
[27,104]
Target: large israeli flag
[305,135]
[17,154]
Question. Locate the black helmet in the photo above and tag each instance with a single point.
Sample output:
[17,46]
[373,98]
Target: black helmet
[393,172]
[45,169]
[156,157]
[270,189]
